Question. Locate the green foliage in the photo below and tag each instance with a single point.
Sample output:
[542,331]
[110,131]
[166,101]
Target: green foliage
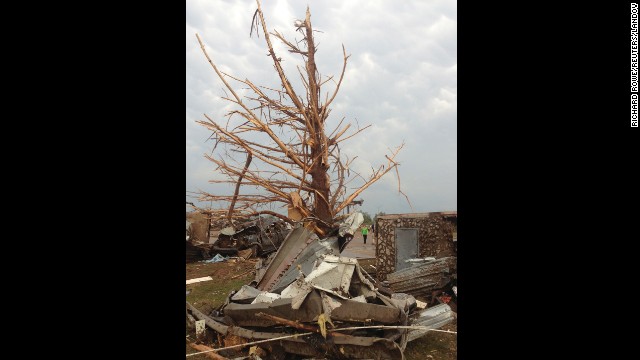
[378,214]
[367,218]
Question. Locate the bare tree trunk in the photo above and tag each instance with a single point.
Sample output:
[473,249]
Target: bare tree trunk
[297,158]
[320,182]
[319,153]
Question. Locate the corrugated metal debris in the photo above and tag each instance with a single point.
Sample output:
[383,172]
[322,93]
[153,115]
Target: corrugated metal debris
[422,279]
[305,260]
[291,247]
[306,287]
[303,248]
[431,318]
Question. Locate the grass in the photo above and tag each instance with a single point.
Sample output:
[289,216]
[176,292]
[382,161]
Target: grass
[208,295]
[434,345]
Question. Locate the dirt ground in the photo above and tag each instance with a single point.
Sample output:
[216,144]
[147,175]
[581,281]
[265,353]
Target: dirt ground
[231,275]
[219,271]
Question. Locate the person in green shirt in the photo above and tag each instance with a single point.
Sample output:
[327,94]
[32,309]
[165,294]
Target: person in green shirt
[365,232]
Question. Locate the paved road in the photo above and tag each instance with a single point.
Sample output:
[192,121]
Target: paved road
[357,249]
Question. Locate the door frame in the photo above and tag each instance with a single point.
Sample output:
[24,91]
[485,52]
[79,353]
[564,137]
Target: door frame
[395,240]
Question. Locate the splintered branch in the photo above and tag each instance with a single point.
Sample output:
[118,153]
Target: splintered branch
[374,177]
[339,190]
[334,140]
[267,212]
[292,48]
[285,81]
[395,165]
[290,158]
[235,140]
[344,68]
[251,116]
[235,193]
[336,128]
[250,176]
[350,136]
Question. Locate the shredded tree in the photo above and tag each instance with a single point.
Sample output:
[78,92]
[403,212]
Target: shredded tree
[273,146]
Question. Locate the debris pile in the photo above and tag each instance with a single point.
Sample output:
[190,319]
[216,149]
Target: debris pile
[338,308]
[197,227]
[197,252]
[422,279]
[261,236]
[319,304]
[197,237]
[258,237]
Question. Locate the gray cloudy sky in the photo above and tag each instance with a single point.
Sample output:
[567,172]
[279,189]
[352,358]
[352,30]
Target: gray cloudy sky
[401,78]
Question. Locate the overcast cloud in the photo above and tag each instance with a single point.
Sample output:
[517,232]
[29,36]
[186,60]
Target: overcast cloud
[401,78]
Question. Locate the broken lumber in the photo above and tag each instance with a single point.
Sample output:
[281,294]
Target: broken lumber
[210,351]
[197,280]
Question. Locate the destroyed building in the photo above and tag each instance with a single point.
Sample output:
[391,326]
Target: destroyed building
[198,224]
[417,254]
[329,301]
[262,235]
[400,237]
[258,237]
[197,236]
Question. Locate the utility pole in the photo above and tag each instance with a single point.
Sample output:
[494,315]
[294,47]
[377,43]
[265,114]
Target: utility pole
[354,202]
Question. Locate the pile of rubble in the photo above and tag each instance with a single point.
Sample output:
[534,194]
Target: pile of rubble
[262,236]
[319,304]
[197,237]
[197,252]
[427,278]
[252,238]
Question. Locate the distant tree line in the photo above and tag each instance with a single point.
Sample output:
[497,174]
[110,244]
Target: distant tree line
[367,218]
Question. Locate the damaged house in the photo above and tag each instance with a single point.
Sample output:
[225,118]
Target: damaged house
[416,253]
[400,237]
